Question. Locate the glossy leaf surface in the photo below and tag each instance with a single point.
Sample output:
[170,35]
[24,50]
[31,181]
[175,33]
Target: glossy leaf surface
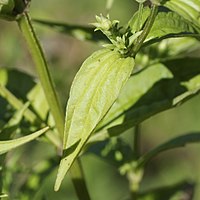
[94,90]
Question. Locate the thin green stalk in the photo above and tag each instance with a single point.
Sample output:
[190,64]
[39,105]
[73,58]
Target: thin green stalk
[80,186]
[25,25]
[135,175]
[136,145]
[2,158]
[134,196]
[147,28]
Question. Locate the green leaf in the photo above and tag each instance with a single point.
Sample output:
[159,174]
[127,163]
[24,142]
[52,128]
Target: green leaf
[150,91]
[177,142]
[176,192]
[133,22]
[13,123]
[8,145]
[166,25]
[16,103]
[94,90]
[77,31]
[19,83]
[170,24]
[173,47]
[20,88]
[188,9]
[4,2]
[15,85]
[39,104]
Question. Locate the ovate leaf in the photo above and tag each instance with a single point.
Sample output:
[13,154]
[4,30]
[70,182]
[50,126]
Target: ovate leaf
[139,99]
[133,22]
[166,25]
[8,145]
[150,91]
[189,9]
[169,24]
[94,90]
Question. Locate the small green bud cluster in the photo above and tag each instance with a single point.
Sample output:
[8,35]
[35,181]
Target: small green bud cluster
[112,31]
[103,23]
[121,41]
[107,26]
[12,9]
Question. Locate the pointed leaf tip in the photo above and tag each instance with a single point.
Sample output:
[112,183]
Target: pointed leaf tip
[94,90]
[8,145]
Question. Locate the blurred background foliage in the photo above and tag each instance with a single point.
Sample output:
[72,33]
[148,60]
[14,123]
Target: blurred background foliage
[65,55]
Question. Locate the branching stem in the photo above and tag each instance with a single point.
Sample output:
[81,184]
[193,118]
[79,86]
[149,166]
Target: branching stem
[147,28]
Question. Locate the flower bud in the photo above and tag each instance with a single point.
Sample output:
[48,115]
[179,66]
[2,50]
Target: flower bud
[103,23]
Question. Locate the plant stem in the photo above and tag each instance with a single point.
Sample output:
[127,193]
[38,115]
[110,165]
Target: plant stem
[135,175]
[25,25]
[80,186]
[136,146]
[146,30]
[2,158]
[28,32]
